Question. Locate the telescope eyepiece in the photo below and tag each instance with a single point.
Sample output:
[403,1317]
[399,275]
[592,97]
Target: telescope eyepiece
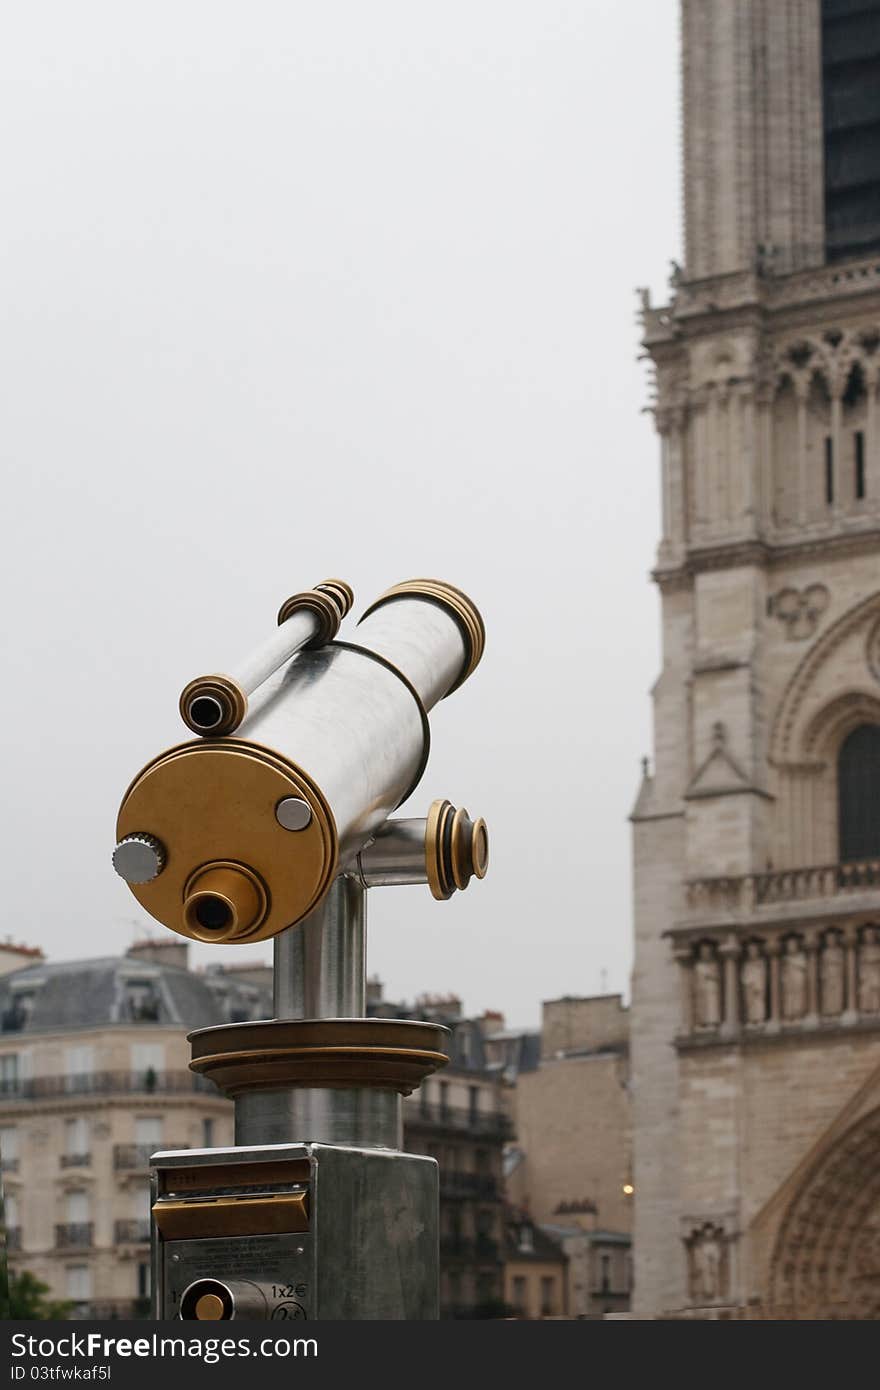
[206,712]
[212,913]
[224,902]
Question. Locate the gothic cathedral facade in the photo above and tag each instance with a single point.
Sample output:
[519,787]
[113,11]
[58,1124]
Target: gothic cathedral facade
[756,983]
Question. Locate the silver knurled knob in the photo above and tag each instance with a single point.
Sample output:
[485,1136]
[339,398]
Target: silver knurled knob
[139,858]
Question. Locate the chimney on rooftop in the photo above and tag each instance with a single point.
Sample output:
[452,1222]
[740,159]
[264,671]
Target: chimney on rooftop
[161,951]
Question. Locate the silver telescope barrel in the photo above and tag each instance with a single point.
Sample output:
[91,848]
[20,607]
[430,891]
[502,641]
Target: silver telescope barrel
[216,704]
[236,837]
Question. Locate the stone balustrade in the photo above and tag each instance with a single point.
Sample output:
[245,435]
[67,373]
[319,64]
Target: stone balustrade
[747,892]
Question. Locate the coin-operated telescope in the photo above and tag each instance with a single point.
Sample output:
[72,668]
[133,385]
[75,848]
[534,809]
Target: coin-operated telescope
[273,822]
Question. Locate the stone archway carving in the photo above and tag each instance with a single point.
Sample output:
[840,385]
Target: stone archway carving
[830,726]
[826,1257]
[794,718]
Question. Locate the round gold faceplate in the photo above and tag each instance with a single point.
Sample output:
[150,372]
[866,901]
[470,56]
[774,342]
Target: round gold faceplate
[215,801]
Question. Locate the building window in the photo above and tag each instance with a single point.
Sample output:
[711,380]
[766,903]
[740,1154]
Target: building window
[142,1001]
[473,1104]
[851,117]
[8,1147]
[143,1280]
[207,1133]
[79,1066]
[519,1294]
[605,1266]
[9,1074]
[548,1296]
[21,1006]
[10,1211]
[148,1131]
[76,1137]
[859,445]
[829,469]
[77,1208]
[147,1061]
[526,1242]
[444,1097]
[79,1283]
[858,783]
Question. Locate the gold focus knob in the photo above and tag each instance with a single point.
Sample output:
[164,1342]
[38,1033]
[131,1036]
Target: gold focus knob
[456,849]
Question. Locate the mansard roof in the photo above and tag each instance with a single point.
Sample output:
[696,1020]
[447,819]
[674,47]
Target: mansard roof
[122,990]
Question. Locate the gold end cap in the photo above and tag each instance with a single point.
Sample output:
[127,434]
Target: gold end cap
[456,849]
[330,601]
[212,706]
[233,873]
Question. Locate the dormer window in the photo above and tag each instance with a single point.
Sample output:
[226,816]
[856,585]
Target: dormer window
[18,1011]
[142,1001]
[526,1243]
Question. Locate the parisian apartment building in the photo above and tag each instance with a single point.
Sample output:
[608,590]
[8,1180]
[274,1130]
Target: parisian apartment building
[94,1078]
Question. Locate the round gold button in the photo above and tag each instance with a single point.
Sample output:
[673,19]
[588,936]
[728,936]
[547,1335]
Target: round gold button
[209,1308]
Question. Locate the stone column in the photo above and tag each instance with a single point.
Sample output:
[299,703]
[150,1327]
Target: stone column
[811,947]
[729,952]
[684,956]
[774,951]
[850,945]
[837,472]
[801,397]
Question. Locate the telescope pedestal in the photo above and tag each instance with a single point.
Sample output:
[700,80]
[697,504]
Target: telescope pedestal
[295,1231]
[315,1212]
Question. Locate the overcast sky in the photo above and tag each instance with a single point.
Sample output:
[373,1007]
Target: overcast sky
[304,289]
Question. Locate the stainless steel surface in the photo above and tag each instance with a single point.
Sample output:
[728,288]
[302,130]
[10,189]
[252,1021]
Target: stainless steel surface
[364,1118]
[293,813]
[280,1269]
[320,965]
[352,725]
[139,858]
[421,639]
[395,856]
[360,1260]
[277,649]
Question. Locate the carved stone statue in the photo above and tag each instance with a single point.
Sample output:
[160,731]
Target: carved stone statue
[794,980]
[707,1264]
[754,984]
[869,972]
[831,975]
[707,987]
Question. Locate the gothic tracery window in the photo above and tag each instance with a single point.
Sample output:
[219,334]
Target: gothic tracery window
[858,780]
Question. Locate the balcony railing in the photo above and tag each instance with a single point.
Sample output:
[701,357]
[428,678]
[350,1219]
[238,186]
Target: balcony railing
[493,1124]
[76,1235]
[106,1083]
[746,892]
[453,1184]
[131,1233]
[131,1157]
[76,1160]
[13,1239]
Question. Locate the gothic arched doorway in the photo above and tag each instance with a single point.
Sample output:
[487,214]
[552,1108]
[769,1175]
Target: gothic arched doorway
[826,1260]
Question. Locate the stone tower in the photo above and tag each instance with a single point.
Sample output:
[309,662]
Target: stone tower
[756,985]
